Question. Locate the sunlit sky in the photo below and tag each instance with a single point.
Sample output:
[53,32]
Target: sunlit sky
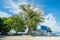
[48,6]
[10,7]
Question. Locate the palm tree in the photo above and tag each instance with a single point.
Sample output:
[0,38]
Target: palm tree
[32,18]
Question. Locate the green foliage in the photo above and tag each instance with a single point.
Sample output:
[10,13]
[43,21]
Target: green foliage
[4,29]
[1,23]
[17,23]
[24,7]
[9,22]
[32,18]
[28,17]
[49,29]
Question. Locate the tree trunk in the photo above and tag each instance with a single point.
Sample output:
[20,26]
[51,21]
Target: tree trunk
[29,31]
[16,32]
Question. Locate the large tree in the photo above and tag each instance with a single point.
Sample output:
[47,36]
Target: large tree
[31,16]
[17,23]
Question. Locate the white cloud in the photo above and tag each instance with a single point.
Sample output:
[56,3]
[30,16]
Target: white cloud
[3,14]
[51,22]
[14,7]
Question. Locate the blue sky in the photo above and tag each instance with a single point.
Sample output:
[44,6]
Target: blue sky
[54,7]
[10,7]
[48,6]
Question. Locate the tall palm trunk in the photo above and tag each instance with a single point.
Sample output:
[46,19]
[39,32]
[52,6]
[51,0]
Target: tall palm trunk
[29,31]
[16,33]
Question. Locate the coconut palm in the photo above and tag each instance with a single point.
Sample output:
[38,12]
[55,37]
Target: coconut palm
[32,18]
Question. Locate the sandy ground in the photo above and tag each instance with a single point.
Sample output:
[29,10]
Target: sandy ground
[29,38]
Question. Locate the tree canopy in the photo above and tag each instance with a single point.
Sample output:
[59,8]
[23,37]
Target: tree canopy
[32,18]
